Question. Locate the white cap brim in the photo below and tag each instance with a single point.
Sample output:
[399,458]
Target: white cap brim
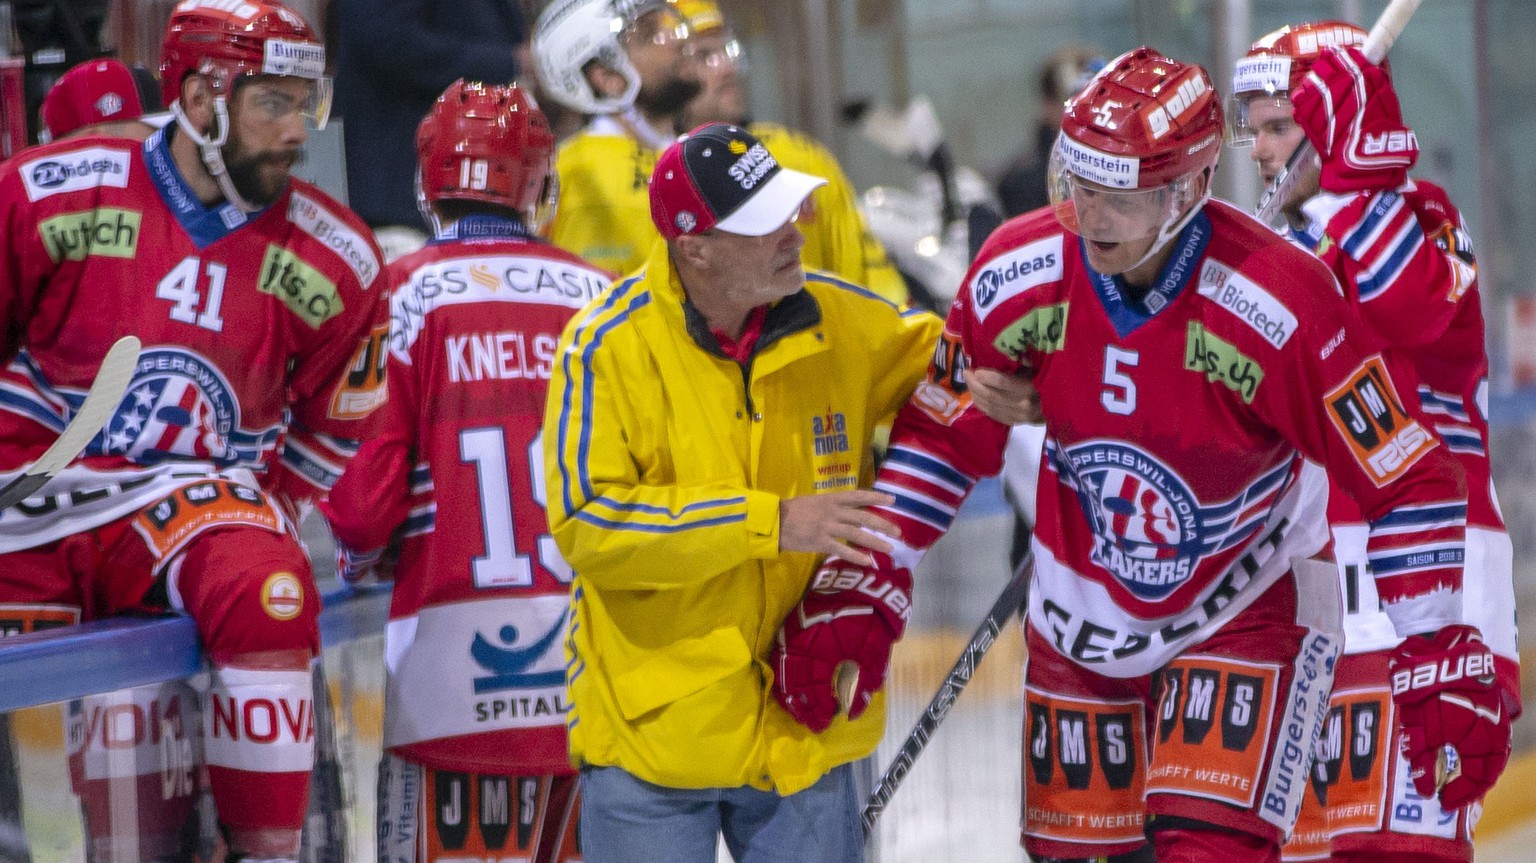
[772,205]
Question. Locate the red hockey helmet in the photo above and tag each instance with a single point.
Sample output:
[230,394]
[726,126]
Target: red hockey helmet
[487,143]
[224,40]
[1138,135]
[1278,62]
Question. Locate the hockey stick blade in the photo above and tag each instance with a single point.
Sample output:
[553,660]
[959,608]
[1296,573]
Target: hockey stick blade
[100,404]
[1008,603]
[1304,160]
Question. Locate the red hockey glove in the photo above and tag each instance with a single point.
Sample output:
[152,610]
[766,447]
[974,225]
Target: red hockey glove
[849,614]
[1350,113]
[1455,724]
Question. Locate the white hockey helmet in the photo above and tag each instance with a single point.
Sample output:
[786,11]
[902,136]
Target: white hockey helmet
[572,33]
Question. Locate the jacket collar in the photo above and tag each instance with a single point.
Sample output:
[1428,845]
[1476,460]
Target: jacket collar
[795,313]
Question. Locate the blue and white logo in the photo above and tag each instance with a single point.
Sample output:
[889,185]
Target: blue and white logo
[1146,521]
[178,405]
[511,664]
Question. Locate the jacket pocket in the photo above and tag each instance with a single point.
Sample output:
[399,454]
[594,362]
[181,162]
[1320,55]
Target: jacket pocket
[684,668]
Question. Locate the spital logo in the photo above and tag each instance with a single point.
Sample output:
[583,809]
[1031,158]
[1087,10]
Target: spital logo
[511,665]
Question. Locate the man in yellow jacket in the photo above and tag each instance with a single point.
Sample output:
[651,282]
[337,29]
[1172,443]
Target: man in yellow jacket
[837,239]
[707,433]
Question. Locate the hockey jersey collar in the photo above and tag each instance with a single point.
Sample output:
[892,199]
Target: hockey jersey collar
[204,225]
[483,226]
[1128,314]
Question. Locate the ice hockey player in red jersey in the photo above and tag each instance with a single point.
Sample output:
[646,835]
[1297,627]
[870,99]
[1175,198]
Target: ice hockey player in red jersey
[258,302]
[1402,256]
[1188,362]
[452,489]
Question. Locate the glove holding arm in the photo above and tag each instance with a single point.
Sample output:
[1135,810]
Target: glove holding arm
[1456,724]
[1350,113]
[849,613]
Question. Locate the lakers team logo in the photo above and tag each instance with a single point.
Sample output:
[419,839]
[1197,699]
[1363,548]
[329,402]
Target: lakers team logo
[178,405]
[1150,530]
[1145,519]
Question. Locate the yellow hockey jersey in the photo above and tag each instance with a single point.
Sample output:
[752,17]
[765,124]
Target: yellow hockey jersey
[604,214]
[665,463]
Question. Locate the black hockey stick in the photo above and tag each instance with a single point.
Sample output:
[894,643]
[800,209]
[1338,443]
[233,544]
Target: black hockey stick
[99,406]
[1304,160]
[1008,603]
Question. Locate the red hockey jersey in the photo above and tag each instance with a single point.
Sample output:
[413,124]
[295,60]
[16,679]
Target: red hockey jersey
[475,642]
[1173,489]
[1407,267]
[262,332]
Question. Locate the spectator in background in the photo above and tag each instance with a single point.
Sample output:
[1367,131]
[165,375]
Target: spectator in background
[393,59]
[1021,186]
[628,65]
[837,240]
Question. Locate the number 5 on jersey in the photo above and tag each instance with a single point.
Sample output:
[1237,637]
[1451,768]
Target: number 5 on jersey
[1119,393]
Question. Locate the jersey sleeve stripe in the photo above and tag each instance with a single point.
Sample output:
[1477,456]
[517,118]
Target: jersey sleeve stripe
[1405,519]
[928,468]
[1390,267]
[1461,439]
[1448,404]
[1377,217]
[594,325]
[1417,559]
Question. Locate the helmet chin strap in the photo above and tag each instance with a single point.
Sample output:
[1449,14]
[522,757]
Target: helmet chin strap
[1169,230]
[212,149]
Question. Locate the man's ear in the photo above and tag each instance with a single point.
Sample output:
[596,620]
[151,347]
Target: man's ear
[197,102]
[607,83]
[688,251]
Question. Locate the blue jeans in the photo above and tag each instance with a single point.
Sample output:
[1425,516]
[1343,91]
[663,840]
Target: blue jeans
[627,820]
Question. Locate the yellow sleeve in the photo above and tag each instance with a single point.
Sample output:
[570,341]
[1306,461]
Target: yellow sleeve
[837,239]
[613,527]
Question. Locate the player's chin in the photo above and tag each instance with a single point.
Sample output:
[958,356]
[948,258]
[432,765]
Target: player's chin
[1107,258]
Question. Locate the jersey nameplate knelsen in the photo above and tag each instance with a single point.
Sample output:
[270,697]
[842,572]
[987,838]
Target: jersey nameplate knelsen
[1370,417]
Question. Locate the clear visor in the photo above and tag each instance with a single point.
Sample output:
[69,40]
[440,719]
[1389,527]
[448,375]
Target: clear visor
[1241,129]
[661,26]
[723,51]
[1104,215]
[277,105]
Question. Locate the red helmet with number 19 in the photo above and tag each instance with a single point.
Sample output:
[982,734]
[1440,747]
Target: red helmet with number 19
[1279,61]
[1136,136]
[487,143]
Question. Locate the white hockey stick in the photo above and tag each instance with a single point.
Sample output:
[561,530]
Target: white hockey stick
[99,406]
[1388,27]
[1008,603]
